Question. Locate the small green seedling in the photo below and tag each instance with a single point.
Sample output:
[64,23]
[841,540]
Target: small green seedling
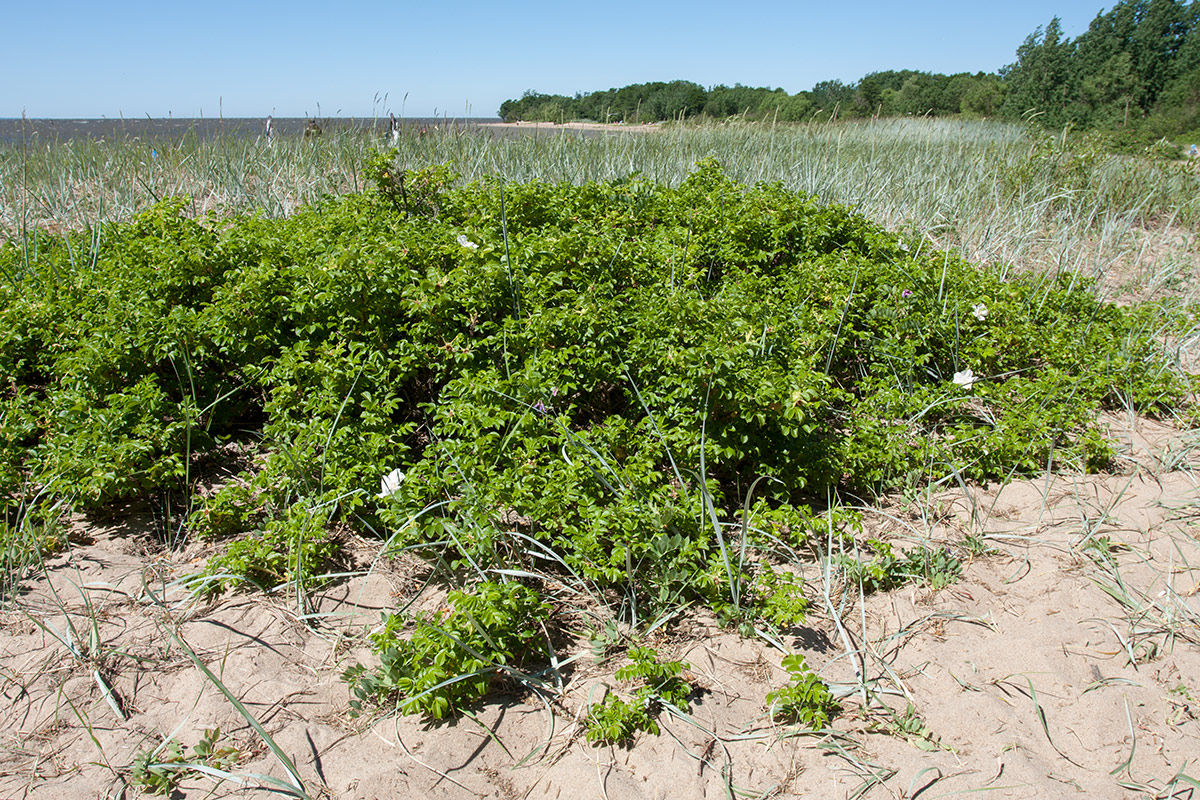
[615,721]
[806,699]
[163,769]
[936,567]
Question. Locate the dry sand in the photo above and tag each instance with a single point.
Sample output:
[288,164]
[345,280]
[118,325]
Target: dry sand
[1026,679]
[613,127]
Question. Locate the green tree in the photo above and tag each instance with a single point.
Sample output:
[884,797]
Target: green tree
[1101,81]
[833,97]
[1106,96]
[729,101]
[1038,81]
[983,97]
[675,100]
[1160,33]
[796,108]
[536,106]
[873,97]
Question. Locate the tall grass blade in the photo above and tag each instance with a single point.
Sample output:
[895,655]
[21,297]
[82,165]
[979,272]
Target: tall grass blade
[296,782]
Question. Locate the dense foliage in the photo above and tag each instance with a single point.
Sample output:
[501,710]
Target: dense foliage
[623,395]
[1136,67]
[590,376]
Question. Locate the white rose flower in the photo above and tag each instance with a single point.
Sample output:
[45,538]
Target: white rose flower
[390,484]
[979,311]
[965,379]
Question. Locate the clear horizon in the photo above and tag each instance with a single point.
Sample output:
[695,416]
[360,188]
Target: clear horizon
[462,59]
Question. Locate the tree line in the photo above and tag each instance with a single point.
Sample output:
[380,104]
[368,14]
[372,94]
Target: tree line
[1136,69]
[890,93]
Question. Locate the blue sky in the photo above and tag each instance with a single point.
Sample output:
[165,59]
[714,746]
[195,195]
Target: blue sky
[459,58]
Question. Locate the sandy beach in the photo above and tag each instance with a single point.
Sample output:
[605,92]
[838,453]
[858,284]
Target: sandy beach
[613,127]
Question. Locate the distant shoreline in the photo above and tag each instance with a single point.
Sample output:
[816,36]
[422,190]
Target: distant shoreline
[15,131]
[641,127]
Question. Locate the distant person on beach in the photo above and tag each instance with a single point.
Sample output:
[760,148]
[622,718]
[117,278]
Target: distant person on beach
[393,130]
[269,130]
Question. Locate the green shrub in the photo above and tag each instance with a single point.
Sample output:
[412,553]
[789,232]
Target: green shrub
[293,547]
[805,700]
[936,568]
[615,720]
[601,368]
[453,657]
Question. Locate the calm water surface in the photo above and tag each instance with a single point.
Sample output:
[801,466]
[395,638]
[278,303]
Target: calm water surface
[42,131]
